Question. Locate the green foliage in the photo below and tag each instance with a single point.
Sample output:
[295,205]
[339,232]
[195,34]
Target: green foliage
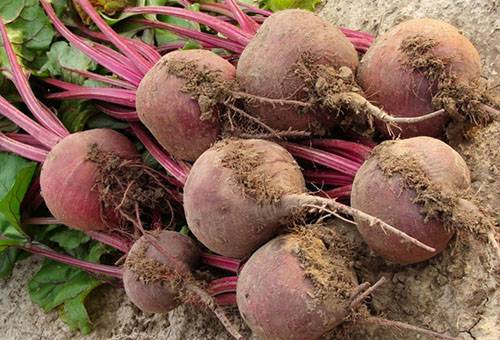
[104,121]
[15,177]
[8,258]
[164,36]
[28,28]
[62,57]
[279,5]
[76,113]
[62,287]
[59,285]
[70,239]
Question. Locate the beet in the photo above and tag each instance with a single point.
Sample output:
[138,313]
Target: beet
[421,66]
[267,67]
[158,276]
[296,286]
[414,185]
[214,210]
[168,101]
[302,286]
[239,193]
[68,178]
[147,270]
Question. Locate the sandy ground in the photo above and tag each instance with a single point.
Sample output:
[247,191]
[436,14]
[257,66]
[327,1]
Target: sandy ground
[462,297]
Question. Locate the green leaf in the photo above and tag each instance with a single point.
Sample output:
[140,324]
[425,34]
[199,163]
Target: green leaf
[94,83]
[55,283]
[28,28]
[69,239]
[64,287]
[278,5]
[8,257]
[61,57]
[113,20]
[191,45]
[10,10]
[74,314]
[6,125]
[65,11]
[44,233]
[75,114]
[184,230]
[15,177]
[96,251]
[164,36]
[149,160]
[6,243]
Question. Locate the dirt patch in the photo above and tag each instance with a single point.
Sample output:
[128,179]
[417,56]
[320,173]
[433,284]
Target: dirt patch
[326,261]
[244,162]
[205,86]
[131,189]
[330,90]
[463,102]
[482,154]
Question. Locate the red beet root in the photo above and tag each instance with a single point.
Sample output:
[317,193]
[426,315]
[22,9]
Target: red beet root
[413,185]
[68,178]
[295,287]
[399,72]
[266,67]
[171,112]
[149,278]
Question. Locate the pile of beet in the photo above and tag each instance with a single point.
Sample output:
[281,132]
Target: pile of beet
[267,184]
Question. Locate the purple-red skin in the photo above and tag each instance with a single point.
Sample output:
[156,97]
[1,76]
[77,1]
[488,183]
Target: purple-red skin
[402,92]
[173,116]
[266,66]
[178,252]
[385,197]
[223,217]
[67,179]
[275,298]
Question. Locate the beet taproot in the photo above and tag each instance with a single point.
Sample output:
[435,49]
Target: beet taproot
[175,101]
[151,275]
[296,286]
[68,177]
[214,211]
[420,66]
[267,67]
[415,185]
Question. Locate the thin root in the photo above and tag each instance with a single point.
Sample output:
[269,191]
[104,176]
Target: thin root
[359,103]
[402,325]
[358,300]
[281,102]
[308,200]
[216,309]
[253,119]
